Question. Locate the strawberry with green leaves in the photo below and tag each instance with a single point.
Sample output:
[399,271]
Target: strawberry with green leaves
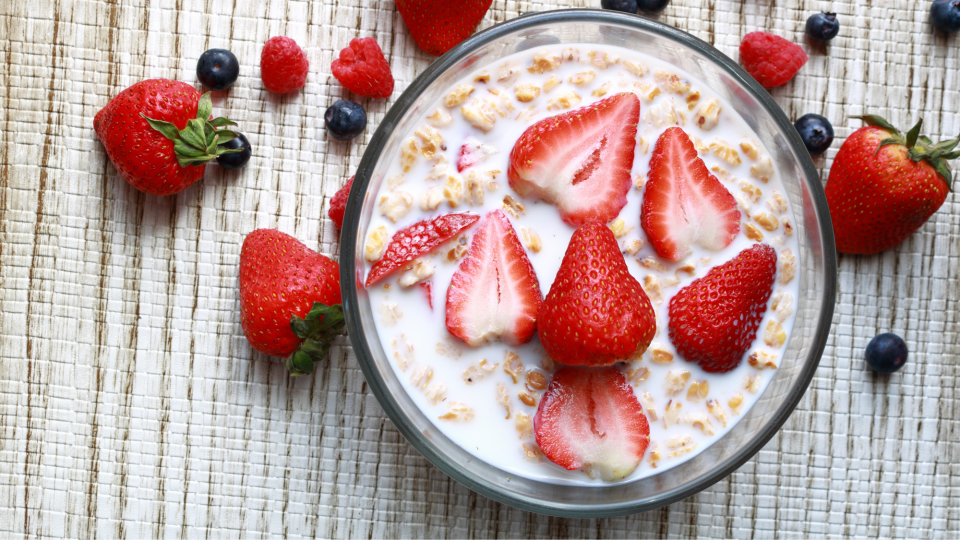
[884,185]
[159,135]
[289,299]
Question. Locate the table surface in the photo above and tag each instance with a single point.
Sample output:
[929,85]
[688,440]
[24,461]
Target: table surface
[132,406]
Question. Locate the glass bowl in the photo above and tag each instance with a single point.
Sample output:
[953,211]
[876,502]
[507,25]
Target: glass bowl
[817,272]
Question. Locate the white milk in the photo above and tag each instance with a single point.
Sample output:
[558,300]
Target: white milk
[489,435]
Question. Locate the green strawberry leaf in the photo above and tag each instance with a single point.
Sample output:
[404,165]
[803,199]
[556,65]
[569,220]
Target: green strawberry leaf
[221,122]
[913,134]
[226,135]
[204,107]
[193,134]
[166,129]
[877,121]
[945,146]
[183,149]
[944,171]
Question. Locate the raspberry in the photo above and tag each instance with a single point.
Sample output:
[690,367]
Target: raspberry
[339,203]
[363,70]
[770,59]
[283,66]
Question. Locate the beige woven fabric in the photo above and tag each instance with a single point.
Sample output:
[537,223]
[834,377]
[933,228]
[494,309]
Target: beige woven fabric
[132,406]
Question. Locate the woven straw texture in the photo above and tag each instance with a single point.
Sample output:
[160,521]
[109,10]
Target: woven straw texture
[131,405]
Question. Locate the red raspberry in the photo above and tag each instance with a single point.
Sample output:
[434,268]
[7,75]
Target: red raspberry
[363,70]
[283,66]
[770,59]
[339,203]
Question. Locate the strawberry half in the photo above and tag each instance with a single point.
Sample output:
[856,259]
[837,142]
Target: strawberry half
[596,313]
[714,320]
[590,419]
[579,161]
[417,239]
[495,291]
[683,203]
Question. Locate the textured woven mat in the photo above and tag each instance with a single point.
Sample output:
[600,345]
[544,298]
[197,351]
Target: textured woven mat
[131,405]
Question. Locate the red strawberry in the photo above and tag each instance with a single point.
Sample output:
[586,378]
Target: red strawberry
[363,70]
[417,239]
[883,186]
[714,320]
[495,291]
[338,203]
[439,25]
[472,153]
[590,419]
[770,59]
[580,161]
[289,299]
[596,313]
[158,135]
[683,203]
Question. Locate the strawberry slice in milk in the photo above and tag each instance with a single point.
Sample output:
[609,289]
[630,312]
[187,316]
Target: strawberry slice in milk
[580,160]
[495,292]
[537,143]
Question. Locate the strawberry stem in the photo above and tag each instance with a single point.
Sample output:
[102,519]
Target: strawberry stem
[199,142]
[919,147]
[318,329]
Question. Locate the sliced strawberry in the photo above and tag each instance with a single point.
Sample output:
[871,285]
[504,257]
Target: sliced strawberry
[579,161]
[473,152]
[683,203]
[417,239]
[590,419]
[428,291]
[714,320]
[495,291]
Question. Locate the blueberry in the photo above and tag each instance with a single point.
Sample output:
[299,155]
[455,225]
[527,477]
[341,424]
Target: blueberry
[816,132]
[235,160]
[218,69]
[823,26]
[652,6]
[886,353]
[945,15]
[629,6]
[345,120]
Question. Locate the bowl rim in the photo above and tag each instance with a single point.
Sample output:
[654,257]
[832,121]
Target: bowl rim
[349,274]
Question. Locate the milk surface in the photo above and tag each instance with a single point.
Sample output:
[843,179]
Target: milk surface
[444,376]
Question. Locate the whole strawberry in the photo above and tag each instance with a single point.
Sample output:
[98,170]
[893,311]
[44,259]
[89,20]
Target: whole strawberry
[883,185]
[289,299]
[714,320]
[338,204]
[158,135]
[596,313]
[439,25]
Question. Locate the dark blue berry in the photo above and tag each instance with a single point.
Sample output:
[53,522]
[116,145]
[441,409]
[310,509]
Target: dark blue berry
[816,132]
[945,15]
[628,6]
[235,160]
[823,26]
[886,353]
[345,120]
[218,69]
[652,6]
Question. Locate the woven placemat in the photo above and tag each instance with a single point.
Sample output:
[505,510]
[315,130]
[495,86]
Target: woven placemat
[132,406]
